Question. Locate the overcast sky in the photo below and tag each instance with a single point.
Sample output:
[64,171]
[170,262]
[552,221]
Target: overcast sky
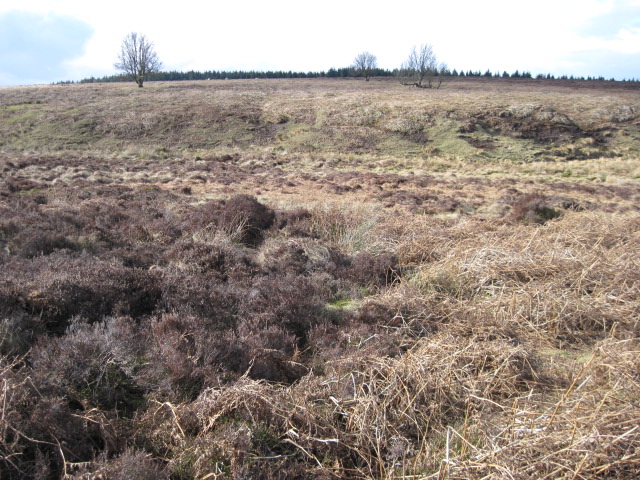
[44,41]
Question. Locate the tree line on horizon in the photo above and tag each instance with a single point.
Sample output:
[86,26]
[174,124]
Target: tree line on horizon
[139,61]
[343,72]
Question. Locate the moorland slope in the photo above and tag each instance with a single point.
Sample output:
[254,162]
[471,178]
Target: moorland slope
[321,278]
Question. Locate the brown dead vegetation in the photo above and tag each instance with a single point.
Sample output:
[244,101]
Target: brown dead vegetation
[285,279]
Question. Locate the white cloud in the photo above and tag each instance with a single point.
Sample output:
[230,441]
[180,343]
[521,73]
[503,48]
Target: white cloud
[36,48]
[625,41]
[540,36]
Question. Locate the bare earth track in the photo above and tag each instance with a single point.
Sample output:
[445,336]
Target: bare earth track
[320,279]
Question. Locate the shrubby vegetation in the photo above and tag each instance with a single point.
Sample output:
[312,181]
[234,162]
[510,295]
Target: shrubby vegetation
[116,302]
[257,287]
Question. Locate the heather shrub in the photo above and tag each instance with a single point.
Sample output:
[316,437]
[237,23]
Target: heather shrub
[282,258]
[106,214]
[369,270]
[31,242]
[187,354]
[54,429]
[320,256]
[18,399]
[10,298]
[20,184]
[173,369]
[294,223]
[60,286]
[153,227]
[96,364]
[205,296]
[244,212]
[37,430]
[18,331]
[117,223]
[351,341]
[8,227]
[241,217]
[222,259]
[28,230]
[267,353]
[533,208]
[142,256]
[295,303]
[375,312]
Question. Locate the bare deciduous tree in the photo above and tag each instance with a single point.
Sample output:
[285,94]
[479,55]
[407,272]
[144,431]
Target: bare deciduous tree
[364,64]
[422,66]
[138,57]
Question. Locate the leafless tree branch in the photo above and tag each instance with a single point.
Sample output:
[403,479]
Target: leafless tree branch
[138,57]
[364,64]
[422,66]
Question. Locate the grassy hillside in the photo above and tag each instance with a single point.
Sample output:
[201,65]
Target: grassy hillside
[322,278]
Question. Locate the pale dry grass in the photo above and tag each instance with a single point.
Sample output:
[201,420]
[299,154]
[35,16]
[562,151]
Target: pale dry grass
[577,274]
[589,431]
[326,116]
[448,408]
